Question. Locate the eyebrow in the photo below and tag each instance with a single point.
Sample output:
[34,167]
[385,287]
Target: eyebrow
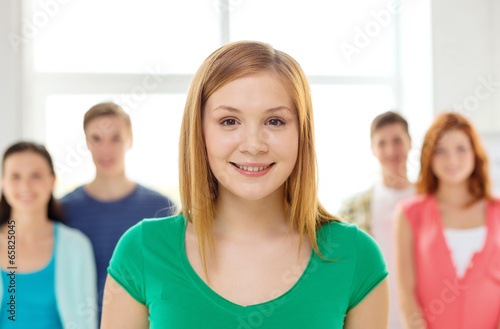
[36,169]
[232,109]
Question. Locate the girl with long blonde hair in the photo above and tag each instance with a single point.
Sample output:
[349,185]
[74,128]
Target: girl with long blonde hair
[252,246]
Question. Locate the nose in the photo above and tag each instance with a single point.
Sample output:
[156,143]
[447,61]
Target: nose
[104,147]
[254,141]
[25,184]
[391,149]
[453,158]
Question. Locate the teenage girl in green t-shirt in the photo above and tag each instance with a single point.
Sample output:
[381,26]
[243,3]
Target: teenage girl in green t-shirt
[255,236]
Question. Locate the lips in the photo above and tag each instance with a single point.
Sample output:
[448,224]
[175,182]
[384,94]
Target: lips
[254,167]
[452,170]
[26,197]
[106,162]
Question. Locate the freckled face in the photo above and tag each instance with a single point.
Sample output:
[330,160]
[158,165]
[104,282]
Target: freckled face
[251,133]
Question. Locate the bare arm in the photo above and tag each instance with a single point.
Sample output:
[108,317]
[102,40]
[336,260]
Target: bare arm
[120,310]
[406,275]
[372,312]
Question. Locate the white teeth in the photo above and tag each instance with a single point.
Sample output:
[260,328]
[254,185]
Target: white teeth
[246,168]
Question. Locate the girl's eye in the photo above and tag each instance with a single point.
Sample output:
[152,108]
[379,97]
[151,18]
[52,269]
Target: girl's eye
[228,122]
[275,122]
[461,149]
[439,150]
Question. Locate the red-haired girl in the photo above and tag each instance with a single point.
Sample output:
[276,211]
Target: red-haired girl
[448,237]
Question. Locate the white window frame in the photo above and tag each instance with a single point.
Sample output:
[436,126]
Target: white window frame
[39,85]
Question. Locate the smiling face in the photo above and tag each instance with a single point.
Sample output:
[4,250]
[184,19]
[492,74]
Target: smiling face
[108,139]
[27,182]
[251,133]
[390,145]
[453,160]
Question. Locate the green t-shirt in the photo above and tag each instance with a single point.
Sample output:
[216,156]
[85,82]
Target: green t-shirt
[150,263]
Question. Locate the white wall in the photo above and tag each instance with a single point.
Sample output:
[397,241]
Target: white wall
[10,75]
[496,63]
[416,75]
[466,47]
[416,64]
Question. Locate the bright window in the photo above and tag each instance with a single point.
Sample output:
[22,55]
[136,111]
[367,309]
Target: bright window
[92,51]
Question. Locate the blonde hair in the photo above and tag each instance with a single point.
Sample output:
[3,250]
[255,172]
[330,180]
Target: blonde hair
[107,109]
[198,186]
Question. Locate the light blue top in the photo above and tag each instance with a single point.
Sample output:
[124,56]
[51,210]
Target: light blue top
[75,280]
[35,298]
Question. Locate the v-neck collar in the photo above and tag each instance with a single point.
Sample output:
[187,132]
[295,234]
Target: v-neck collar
[227,304]
[478,257]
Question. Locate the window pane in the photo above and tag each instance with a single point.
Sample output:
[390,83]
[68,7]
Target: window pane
[124,35]
[152,161]
[313,32]
[342,116]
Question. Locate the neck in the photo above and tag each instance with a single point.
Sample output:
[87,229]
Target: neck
[454,194]
[238,218]
[30,225]
[108,188]
[396,179]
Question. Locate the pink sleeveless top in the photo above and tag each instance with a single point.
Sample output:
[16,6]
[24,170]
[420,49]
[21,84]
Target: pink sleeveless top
[448,302]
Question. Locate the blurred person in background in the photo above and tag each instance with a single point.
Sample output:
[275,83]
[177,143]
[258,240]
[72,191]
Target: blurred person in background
[106,207]
[448,236]
[54,284]
[373,210]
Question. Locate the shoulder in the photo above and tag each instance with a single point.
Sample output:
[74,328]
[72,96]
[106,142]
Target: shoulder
[335,228]
[356,209]
[359,197]
[354,253]
[153,230]
[139,245]
[495,206]
[151,195]
[495,202]
[170,223]
[72,237]
[355,205]
[339,239]
[73,196]
[414,203]
[154,203]
[145,191]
